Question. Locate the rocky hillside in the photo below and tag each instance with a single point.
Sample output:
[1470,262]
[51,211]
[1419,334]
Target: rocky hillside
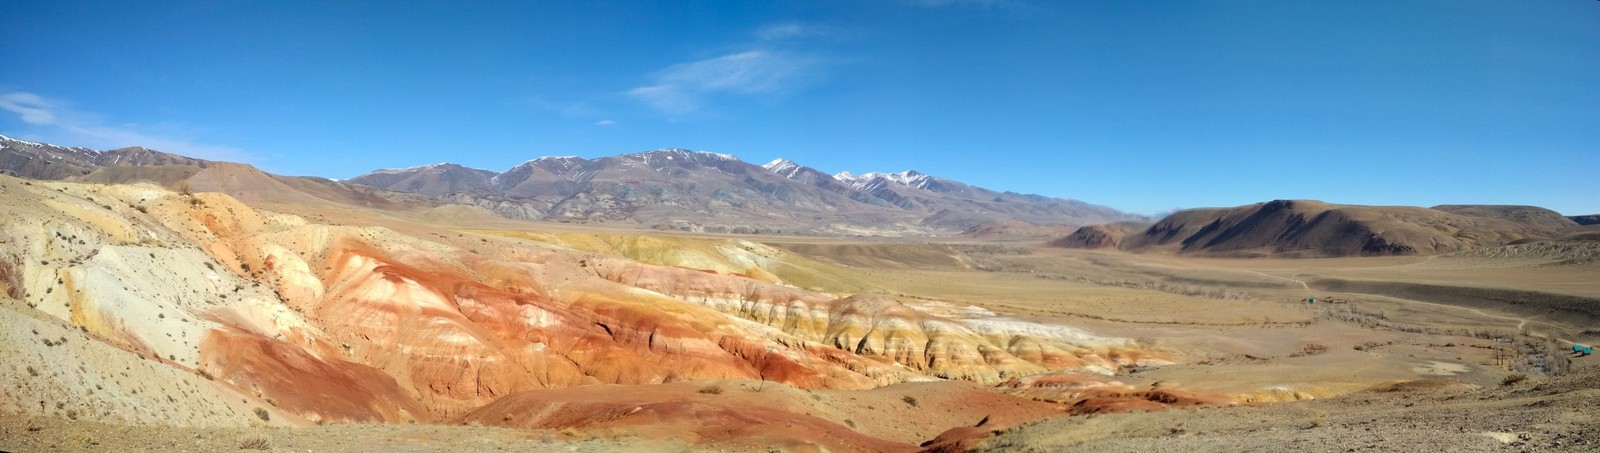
[45,161]
[1316,229]
[680,189]
[233,313]
[132,165]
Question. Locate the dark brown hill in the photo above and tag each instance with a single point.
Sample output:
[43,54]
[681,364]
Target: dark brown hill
[1530,215]
[1316,229]
[1106,235]
[1591,219]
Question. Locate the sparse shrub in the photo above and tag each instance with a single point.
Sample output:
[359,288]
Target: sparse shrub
[260,412]
[255,442]
[851,423]
[910,400]
[1513,378]
[712,389]
[207,375]
[32,372]
[1310,349]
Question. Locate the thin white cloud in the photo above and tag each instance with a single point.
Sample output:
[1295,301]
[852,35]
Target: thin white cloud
[793,30]
[605,123]
[83,129]
[681,88]
[31,108]
[977,3]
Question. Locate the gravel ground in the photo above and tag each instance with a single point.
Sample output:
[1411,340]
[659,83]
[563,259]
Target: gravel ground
[1536,414]
[21,433]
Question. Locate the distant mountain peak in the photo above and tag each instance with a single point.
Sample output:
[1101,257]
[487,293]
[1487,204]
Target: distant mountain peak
[21,141]
[875,180]
[675,153]
[780,164]
[442,166]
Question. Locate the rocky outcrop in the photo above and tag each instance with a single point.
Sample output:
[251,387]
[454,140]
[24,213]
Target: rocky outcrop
[364,324]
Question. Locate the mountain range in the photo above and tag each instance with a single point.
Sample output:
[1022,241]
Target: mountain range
[671,189]
[703,191]
[677,189]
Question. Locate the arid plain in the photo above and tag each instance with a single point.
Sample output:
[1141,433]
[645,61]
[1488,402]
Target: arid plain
[144,318]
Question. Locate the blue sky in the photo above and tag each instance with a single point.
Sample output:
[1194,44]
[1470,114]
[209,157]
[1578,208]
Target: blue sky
[1143,106]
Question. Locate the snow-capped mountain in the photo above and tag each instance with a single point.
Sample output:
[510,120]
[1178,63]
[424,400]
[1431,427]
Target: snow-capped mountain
[46,161]
[679,188]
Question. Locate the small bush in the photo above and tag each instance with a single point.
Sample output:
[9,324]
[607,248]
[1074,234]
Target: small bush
[850,422]
[909,400]
[712,389]
[260,412]
[1513,378]
[256,442]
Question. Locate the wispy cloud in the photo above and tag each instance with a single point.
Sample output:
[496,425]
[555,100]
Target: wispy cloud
[977,3]
[605,123]
[794,30]
[681,88]
[76,128]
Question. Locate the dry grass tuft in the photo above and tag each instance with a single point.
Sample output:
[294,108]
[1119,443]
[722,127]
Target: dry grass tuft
[255,442]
